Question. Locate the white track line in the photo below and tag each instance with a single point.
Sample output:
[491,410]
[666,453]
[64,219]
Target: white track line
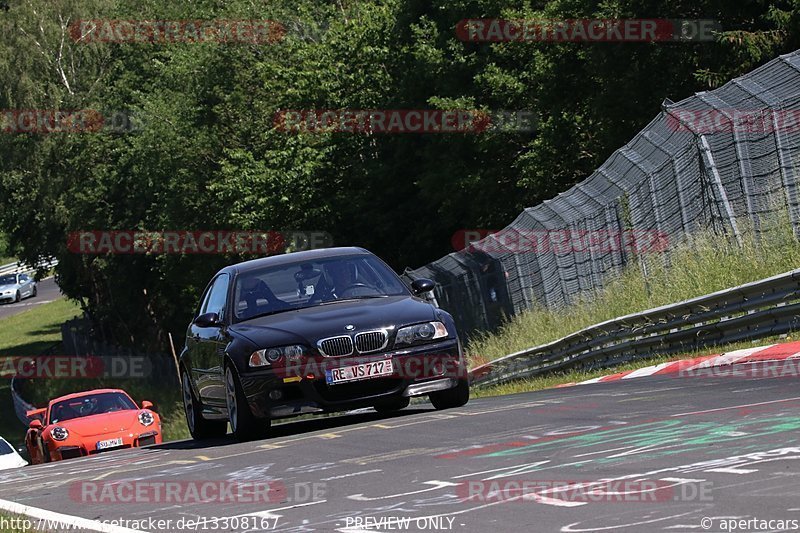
[737,407]
[59,521]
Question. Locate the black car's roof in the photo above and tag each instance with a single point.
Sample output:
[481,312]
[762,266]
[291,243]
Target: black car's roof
[293,257]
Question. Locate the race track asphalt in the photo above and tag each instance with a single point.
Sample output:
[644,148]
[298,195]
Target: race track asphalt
[651,454]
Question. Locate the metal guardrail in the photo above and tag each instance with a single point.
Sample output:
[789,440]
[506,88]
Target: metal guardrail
[18,267]
[21,407]
[748,312]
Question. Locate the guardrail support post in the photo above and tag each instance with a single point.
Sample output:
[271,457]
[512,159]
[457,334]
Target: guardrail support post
[723,196]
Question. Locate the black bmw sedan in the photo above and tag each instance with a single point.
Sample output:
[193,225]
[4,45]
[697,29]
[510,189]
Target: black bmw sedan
[314,332]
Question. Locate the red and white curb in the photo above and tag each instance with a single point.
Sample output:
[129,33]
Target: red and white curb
[774,352]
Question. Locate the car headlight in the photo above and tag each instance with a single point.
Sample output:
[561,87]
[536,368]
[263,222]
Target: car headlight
[420,333]
[60,433]
[146,418]
[271,356]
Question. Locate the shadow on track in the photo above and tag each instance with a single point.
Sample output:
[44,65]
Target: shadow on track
[297,427]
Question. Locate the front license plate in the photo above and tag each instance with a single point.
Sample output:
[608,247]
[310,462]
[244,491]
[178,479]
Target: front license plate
[110,443]
[358,372]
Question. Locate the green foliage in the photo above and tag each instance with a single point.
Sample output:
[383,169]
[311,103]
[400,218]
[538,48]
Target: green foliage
[205,153]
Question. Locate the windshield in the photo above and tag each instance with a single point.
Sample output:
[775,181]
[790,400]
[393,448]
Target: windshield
[8,280]
[5,448]
[89,405]
[311,283]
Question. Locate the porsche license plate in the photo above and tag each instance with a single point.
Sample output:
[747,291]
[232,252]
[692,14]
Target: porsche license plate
[370,370]
[110,443]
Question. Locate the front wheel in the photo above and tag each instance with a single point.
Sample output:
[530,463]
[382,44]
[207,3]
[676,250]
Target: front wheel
[390,406]
[244,425]
[451,398]
[199,427]
[18,297]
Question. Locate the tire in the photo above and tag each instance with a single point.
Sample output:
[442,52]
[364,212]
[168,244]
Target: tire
[199,427]
[244,425]
[46,454]
[458,396]
[17,298]
[34,459]
[390,406]
[34,293]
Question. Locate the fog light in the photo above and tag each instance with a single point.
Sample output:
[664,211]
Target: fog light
[275,395]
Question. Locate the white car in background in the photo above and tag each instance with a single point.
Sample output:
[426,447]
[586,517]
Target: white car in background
[9,458]
[15,287]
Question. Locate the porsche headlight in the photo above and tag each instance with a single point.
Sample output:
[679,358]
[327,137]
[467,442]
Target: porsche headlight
[60,433]
[146,418]
[271,356]
[420,333]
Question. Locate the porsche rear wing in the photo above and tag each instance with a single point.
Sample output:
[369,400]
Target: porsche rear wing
[37,413]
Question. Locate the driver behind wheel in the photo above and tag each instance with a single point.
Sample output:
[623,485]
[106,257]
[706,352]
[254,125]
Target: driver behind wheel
[339,276]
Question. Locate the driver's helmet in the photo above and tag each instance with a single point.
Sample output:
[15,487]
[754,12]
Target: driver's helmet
[87,406]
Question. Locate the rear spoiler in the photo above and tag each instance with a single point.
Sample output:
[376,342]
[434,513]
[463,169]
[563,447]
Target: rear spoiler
[37,413]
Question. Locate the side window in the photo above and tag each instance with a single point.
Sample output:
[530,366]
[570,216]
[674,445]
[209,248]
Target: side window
[217,297]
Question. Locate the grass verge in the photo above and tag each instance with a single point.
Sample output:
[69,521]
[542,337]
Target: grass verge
[9,520]
[28,333]
[707,264]
[32,332]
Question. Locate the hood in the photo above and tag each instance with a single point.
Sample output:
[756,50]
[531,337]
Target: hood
[12,460]
[8,287]
[90,426]
[314,323]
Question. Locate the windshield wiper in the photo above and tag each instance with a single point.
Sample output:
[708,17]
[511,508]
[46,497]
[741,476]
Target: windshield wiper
[268,313]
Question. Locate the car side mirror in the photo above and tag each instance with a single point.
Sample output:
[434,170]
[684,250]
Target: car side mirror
[207,320]
[147,405]
[422,285]
[35,424]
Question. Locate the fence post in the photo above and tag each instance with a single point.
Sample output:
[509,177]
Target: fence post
[787,174]
[711,166]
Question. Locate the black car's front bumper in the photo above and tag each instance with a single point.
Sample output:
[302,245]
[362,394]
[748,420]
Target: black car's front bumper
[282,392]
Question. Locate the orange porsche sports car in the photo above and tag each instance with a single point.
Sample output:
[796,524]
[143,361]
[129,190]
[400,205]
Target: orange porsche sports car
[87,423]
